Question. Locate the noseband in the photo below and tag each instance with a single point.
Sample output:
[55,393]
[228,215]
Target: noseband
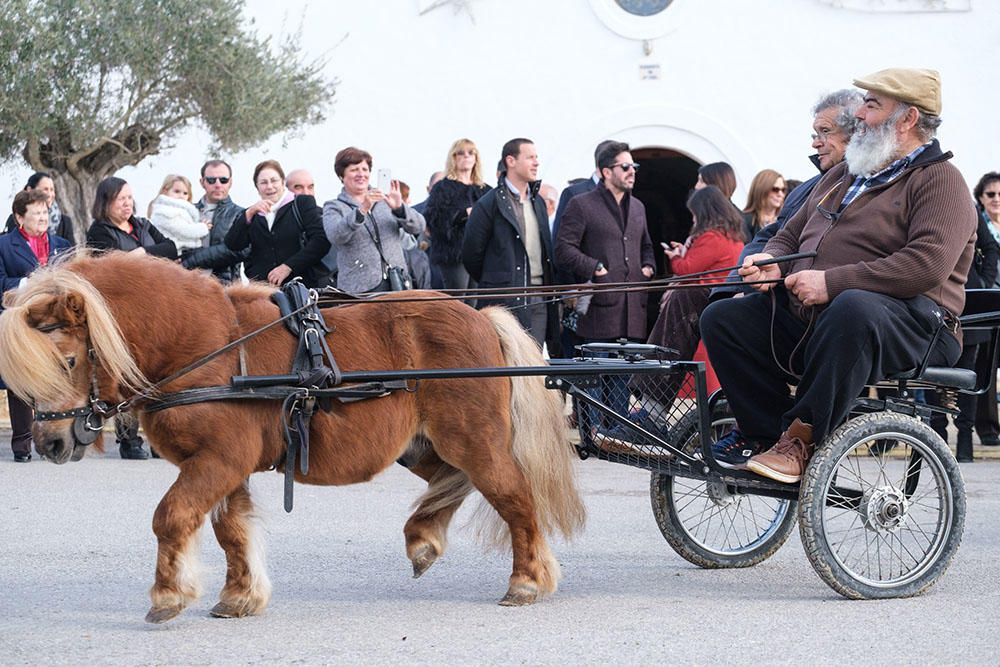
[88,420]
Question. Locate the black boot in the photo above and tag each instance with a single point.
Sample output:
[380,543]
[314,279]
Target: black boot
[132,449]
[963,452]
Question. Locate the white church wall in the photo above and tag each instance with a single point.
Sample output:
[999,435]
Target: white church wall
[736,81]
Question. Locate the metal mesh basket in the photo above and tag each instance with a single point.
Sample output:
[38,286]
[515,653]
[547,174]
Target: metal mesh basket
[636,411]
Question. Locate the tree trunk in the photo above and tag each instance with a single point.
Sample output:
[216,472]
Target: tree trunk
[75,195]
[77,173]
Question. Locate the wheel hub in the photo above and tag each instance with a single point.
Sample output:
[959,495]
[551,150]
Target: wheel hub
[884,509]
[720,494]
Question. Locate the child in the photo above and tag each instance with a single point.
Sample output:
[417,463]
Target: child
[173,214]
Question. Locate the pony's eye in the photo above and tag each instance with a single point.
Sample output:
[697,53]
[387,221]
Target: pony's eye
[71,362]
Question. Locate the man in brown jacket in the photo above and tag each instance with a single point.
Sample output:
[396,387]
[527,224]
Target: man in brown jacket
[603,238]
[893,228]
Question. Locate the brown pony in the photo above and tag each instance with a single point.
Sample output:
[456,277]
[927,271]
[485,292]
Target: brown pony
[122,322]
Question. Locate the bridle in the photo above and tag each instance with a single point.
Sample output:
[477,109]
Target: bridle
[88,420]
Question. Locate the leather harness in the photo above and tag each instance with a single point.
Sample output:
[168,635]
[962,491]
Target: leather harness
[315,380]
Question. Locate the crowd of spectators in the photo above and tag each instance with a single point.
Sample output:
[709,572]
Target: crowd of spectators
[469,234]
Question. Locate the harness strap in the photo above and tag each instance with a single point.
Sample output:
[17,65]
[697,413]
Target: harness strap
[275,392]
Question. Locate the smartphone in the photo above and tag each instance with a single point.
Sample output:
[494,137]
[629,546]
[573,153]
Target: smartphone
[666,246]
[384,180]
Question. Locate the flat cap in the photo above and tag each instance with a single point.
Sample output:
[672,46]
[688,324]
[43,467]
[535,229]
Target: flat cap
[919,87]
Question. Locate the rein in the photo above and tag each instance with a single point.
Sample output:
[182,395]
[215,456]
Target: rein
[561,292]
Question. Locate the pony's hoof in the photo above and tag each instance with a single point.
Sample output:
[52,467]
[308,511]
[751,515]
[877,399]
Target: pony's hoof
[422,559]
[227,610]
[163,614]
[520,595]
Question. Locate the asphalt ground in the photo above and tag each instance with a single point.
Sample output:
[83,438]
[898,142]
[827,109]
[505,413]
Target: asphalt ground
[77,560]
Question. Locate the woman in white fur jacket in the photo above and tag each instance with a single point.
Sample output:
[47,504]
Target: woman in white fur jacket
[175,216]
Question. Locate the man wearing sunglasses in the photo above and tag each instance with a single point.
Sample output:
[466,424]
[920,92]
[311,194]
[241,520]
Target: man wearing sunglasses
[603,238]
[218,211]
[893,231]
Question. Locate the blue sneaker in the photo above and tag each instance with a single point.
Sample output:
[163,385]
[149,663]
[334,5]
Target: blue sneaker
[733,450]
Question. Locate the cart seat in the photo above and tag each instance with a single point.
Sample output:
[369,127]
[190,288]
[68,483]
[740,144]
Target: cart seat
[959,378]
[982,312]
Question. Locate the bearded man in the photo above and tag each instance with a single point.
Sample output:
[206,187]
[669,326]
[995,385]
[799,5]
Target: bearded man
[893,230]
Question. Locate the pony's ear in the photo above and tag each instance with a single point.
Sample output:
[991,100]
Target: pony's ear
[74,309]
[68,308]
[8,298]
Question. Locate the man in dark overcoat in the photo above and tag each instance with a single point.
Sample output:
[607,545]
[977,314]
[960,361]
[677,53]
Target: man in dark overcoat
[603,238]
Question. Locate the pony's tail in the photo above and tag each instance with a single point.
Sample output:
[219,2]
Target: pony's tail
[539,441]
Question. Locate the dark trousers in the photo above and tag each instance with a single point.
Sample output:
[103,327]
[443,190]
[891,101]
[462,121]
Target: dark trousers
[966,417]
[454,276]
[859,338]
[538,316]
[614,390]
[127,431]
[677,325]
[987,424]
[21,417]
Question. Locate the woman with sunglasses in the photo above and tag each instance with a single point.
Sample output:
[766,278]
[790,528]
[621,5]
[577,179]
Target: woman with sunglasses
[767,194]
[448,207]
[987,196]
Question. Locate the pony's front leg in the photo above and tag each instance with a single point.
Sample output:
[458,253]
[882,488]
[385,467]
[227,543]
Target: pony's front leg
[204,480]
[248,589]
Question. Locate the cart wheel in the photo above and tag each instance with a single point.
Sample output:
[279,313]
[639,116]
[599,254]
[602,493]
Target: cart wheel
[881,507]
[705,522]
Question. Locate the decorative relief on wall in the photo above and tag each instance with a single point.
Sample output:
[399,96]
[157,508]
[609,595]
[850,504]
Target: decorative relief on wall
[902,6]
[642,19]
[643,7]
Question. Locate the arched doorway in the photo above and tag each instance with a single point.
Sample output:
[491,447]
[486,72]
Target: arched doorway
[662,184]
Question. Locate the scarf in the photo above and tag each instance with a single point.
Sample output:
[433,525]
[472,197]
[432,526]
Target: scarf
[39,246]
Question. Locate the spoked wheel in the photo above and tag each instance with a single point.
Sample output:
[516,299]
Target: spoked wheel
[882,507]
[706,522]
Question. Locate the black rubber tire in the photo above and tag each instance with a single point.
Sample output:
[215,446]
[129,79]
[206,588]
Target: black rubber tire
[665,491]
[875,516]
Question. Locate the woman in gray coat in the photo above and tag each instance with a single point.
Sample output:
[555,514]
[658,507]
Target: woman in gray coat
[363,224]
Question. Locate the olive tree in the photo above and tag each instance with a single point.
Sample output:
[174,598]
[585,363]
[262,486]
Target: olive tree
[91,86]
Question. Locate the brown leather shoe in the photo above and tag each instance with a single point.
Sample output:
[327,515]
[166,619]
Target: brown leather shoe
[786,461]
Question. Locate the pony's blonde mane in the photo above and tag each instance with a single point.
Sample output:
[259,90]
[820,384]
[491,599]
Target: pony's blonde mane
[31,364]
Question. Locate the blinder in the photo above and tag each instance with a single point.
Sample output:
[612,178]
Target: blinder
[88,420]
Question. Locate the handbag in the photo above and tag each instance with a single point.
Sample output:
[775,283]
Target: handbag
[394,278]
[321,275]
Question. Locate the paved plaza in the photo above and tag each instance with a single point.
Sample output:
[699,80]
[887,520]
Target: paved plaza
[78,554]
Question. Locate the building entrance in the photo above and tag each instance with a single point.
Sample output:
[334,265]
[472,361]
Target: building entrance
[663,183]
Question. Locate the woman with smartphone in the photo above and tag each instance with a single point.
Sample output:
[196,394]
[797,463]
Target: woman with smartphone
[363,224]
[715,242]
[283,231]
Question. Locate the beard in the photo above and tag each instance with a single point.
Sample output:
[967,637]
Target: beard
[620,183]
[872,148]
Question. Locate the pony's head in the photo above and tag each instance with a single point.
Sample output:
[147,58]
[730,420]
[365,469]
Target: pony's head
[60,348]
